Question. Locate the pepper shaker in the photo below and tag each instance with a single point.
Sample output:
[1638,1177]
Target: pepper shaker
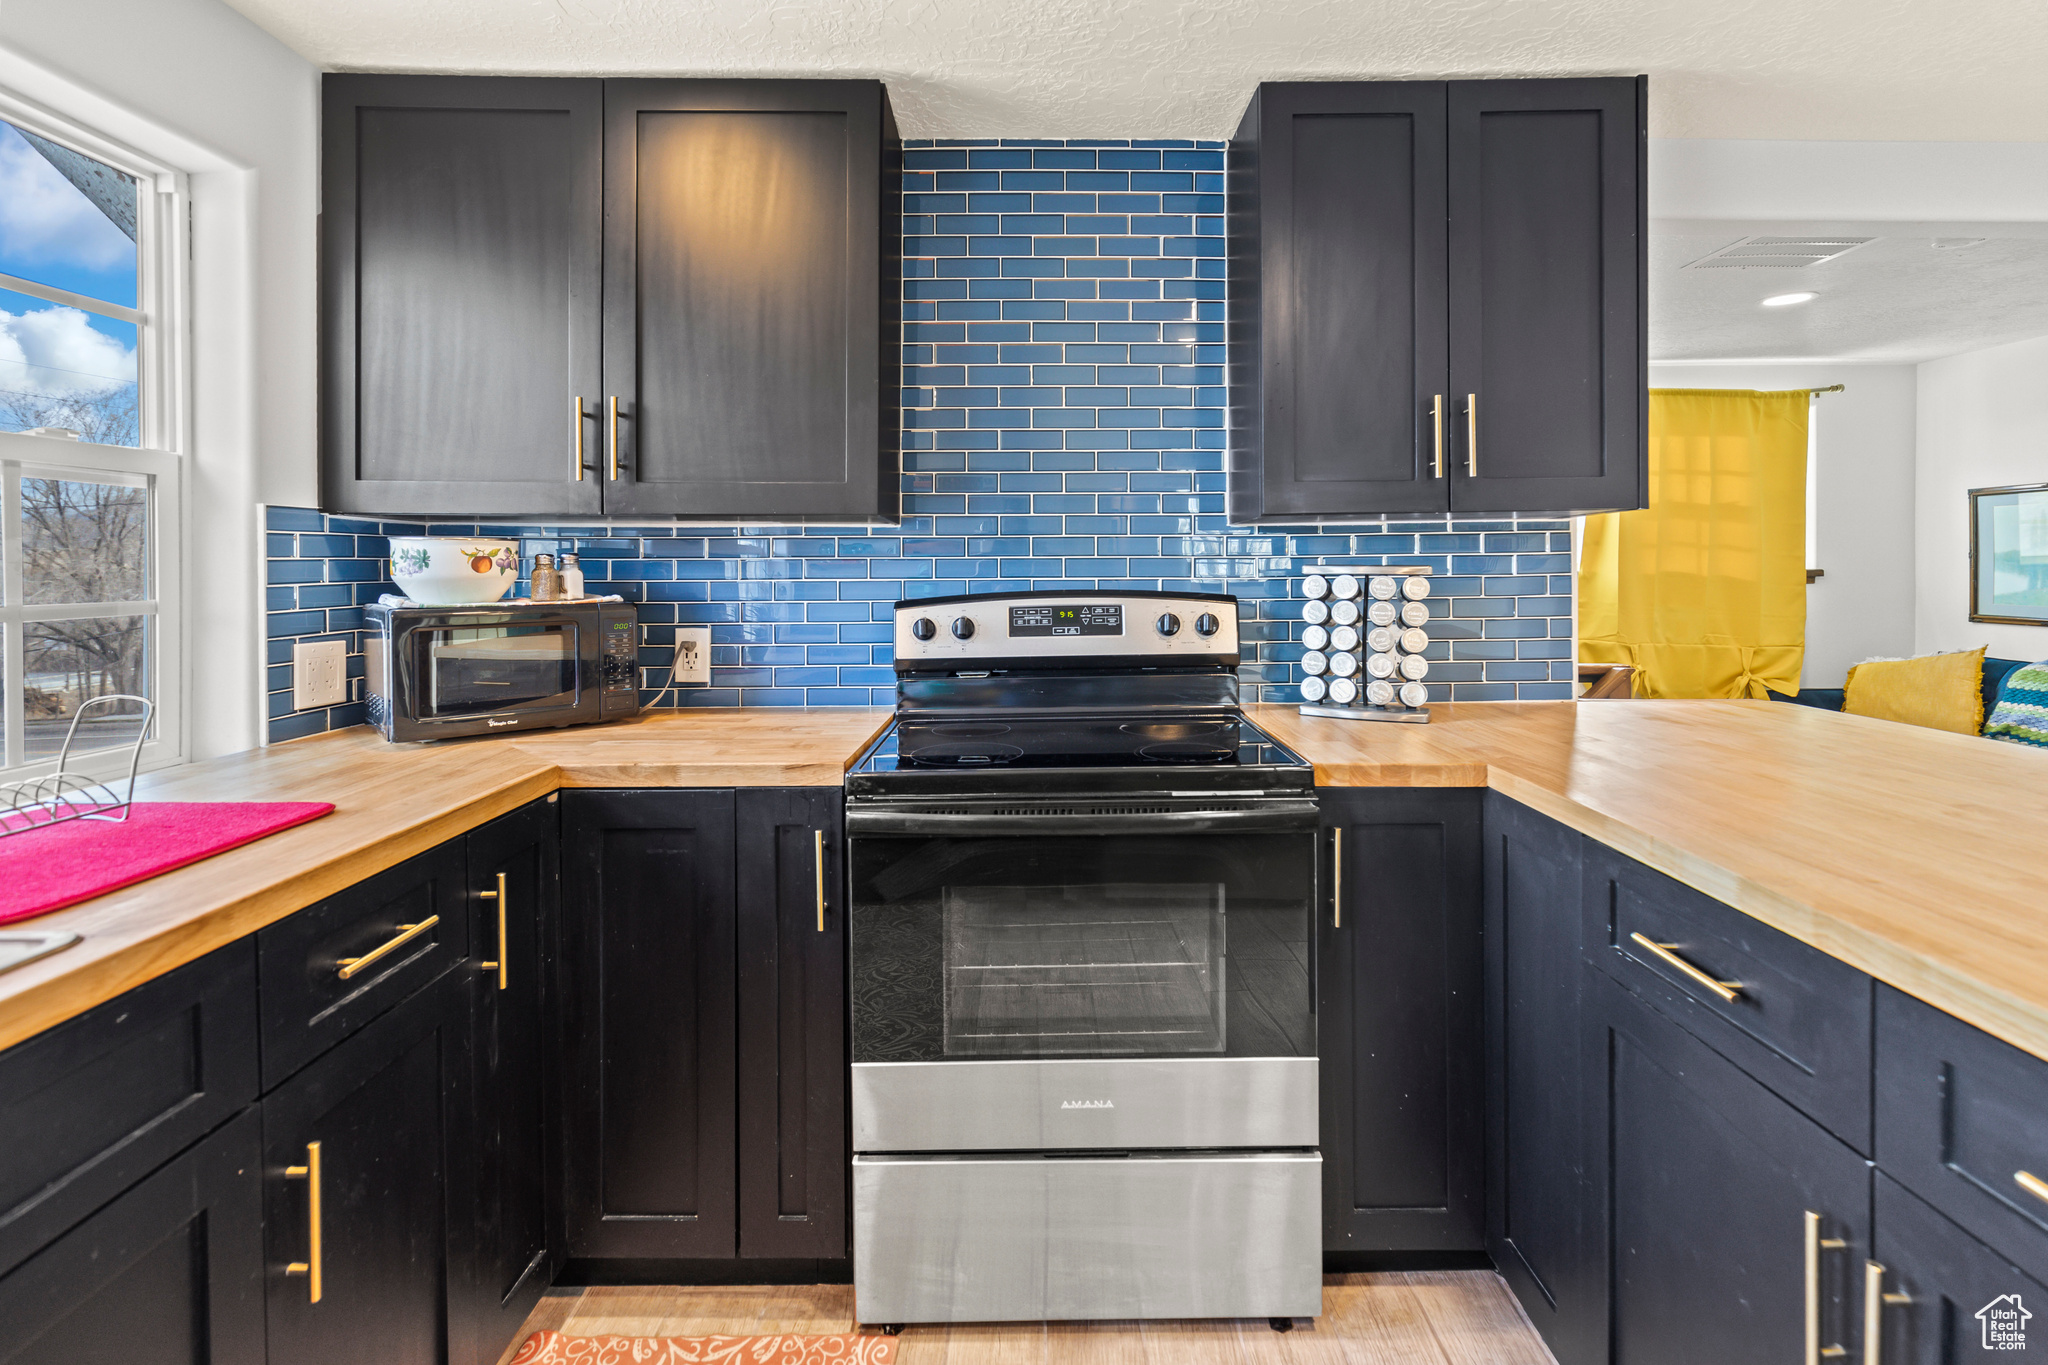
[546,585]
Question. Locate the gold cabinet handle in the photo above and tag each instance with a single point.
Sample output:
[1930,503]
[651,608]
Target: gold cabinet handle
[2032,1184]
[504,958]
[350,966]
[576,425]
[1436,416]
[1815,1244]
[1337,878]
[310,1267]
[613,447]
[1727,990]
[1875,1301]
[818,865]
[1471,435]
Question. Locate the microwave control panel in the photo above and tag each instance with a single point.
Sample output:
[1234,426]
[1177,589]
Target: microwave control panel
[618,657]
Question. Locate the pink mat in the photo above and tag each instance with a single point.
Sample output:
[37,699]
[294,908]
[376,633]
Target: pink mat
[47,869]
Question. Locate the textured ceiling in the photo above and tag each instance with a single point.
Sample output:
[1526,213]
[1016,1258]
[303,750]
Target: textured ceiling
[1897,299]
[1908,70]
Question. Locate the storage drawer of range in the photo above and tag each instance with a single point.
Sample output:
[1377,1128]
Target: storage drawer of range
[1006,1239]
[1962,1121]
[1049,1105]
[1790,1015]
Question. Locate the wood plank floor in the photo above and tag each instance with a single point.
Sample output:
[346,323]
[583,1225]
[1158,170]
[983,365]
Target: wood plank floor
[1461,1317]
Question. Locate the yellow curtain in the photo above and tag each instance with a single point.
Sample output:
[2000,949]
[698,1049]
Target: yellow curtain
[1704,590]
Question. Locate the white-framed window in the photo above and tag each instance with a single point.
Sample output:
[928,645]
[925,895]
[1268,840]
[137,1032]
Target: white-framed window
[93,433]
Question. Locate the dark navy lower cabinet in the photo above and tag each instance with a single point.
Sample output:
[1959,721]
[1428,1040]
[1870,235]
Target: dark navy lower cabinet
[1398,1021]
[169,1273]
[356,1154]
[1538,1226]
[1736,1227]
[1947,1297]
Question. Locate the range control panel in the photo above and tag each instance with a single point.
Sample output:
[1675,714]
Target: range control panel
[1027,629]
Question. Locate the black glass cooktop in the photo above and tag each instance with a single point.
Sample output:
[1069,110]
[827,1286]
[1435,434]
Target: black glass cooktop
[929,744]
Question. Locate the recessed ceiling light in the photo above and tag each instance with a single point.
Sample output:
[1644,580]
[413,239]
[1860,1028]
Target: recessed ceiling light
[1787,300]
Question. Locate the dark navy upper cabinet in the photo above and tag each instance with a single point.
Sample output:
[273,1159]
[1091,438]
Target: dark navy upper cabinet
[627,297]
[1437,298]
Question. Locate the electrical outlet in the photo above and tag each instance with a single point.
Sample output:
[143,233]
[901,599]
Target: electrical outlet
[693,654]
[319,673]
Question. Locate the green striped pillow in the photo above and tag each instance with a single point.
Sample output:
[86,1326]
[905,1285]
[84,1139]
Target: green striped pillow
[2021,715]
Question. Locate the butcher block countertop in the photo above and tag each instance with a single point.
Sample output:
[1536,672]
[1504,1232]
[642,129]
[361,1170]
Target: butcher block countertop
[391,801]
[1917,856]
[1920,857]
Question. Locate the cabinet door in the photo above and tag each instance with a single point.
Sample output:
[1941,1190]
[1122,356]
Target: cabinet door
[748,303]
[793,1158]
[1536,1179]
[1338,287]
[460,294]
[170,1273]
[1711,1182]
[1962,1300]
[648,1016]
[1399,1022]
[374,1110]
[510,1257]
[1548,337]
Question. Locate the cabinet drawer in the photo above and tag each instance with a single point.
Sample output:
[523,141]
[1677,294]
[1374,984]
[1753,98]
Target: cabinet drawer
[1960,1117]
[1799,1020]
[92,1105]
[370,931]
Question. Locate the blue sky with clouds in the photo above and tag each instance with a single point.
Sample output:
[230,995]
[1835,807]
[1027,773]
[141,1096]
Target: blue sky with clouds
[52,234]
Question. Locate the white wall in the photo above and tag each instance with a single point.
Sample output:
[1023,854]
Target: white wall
[1983,422]
[194,84]
[1863,605]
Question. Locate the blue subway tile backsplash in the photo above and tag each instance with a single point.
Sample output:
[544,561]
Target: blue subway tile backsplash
[1064,426]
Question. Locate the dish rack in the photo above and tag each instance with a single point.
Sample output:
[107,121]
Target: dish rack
[1365,638]
[64,795]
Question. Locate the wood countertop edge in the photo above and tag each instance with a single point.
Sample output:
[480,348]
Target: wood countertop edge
[2022,1023]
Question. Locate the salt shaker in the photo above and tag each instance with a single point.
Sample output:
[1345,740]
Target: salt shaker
[572,577]
[546,585]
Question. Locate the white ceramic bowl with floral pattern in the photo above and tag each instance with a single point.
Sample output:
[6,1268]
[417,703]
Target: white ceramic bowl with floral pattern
[453,571]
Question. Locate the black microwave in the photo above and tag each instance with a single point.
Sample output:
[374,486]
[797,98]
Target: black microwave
[445,672]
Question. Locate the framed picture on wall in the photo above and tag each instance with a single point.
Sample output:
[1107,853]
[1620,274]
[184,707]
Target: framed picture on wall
[2009,554]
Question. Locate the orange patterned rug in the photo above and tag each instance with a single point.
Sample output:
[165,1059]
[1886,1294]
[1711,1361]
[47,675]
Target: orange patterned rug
[552,1348]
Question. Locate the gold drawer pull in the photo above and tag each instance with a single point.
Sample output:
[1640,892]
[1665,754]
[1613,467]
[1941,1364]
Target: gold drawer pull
[818,862]
[504,958]
[350,966]
[1815,1244]
[2031,1183]
[612,447]
[310,1268]
[1471,435]
[1727,990]
[1875,1301]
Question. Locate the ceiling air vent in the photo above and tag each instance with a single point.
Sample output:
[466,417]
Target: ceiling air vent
[1777,253]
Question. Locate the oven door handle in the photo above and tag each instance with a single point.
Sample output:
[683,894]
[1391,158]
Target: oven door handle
[1278,816]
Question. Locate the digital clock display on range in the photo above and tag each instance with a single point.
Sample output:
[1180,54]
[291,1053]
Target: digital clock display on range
[1090,618]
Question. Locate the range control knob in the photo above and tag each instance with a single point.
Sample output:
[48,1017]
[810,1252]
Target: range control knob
[923,628]
[963,628]
[1168,624]
[1205,624]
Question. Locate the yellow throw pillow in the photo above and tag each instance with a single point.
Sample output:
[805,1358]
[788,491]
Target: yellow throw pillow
[1939,691]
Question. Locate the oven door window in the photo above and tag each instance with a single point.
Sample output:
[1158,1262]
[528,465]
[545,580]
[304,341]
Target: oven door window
[1018,947]
[488,670]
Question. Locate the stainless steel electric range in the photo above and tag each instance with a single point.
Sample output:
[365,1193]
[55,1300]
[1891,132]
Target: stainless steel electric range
[1084,1046]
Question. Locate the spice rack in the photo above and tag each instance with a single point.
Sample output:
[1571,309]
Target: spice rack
[1366,631]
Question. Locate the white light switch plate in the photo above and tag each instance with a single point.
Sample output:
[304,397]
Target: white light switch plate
[319,673]
[693,654]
